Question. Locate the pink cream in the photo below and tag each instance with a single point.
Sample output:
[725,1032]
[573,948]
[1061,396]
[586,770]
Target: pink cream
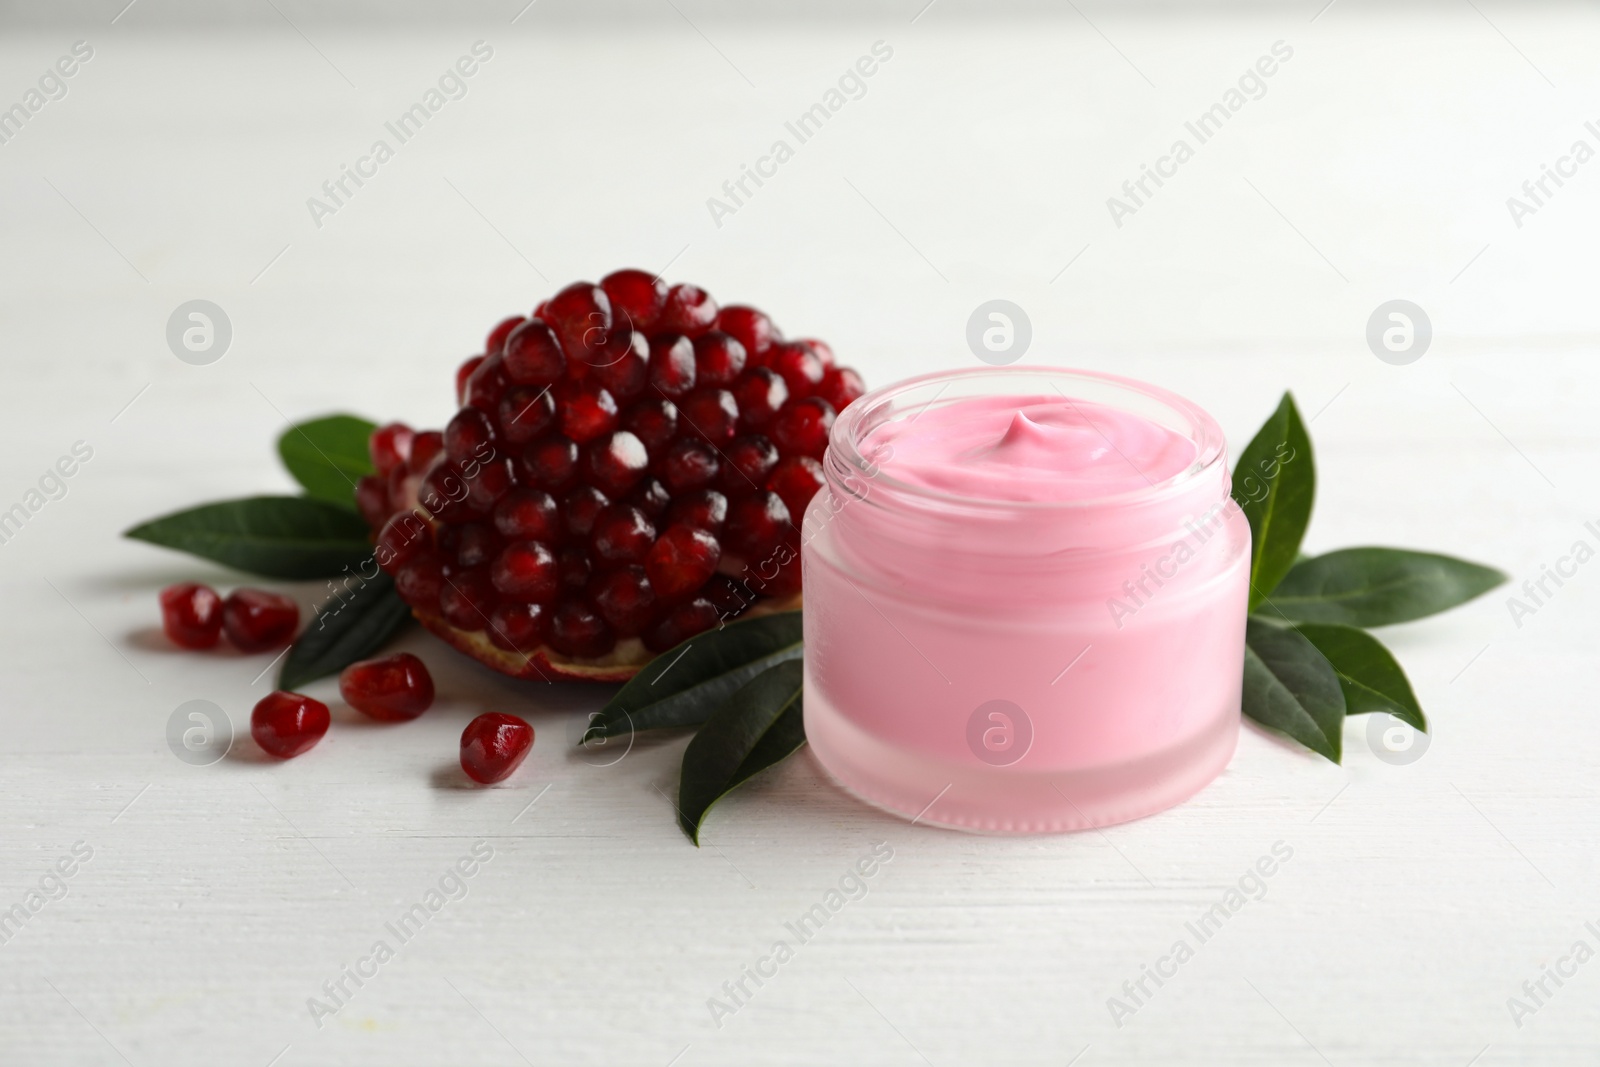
[1025,601]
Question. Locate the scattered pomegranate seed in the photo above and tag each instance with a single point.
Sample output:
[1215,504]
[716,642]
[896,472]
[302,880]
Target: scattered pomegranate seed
[526,411]
[533,355]
[496,341]
[392,689]
[493,746]
[637,294]
[550,464]
[681,561]
[705,510]
[752,329]
[577,629]
[518,627]
[797,480]
[625,599]
[372,498]
[757,523]
[528,515]
[256,620]
[464,374]
[747,462]
[287,724]
[191,615]
[466,598]
[420,581]
[403,538]
[689,464]
[711,414]
[799,367]
[719,358]
[390,447]
[689,310]
[526,571]
[801,428]
[841,387]
[759,394]
[672,369]
[654,421]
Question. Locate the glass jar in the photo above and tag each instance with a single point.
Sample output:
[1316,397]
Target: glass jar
[1018,666]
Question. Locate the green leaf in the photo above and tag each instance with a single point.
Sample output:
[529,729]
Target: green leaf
[1274,483]
[273,536]
[1290,687]
[1378,586]
[760,724]
[1369,675]
[684,685]
[328,455]
[351,626]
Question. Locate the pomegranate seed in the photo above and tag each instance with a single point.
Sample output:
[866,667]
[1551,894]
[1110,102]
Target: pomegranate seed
[587,411]
[575,569]
[841,387]
[799,367]
[681,561]
[518,627]
[443,493]
[390,447]
[256,620]
[487,385]
[614,464]
[581,507]
[577,629]
[654,421]
[372,498]
[496,341]
[466,598]
[622,534]
[392,689]
[801,428]
[719,358]
[469,435]
[464,375]
[780,574]
[756,525]
[728,595]
[580,314]
[747,462]
[672,369]
[533,355]
[191,614]
[817,348]
[689,310]
[403,538]
[797,480]
[705,510]
[425,447]
[625,599]
[628,374]
[526,571]
[650,497]
[752,329]
[688,464]
[637,294]
[471,544]
[710,413]
[550,464]
[419,582]
[493,745]
[759,394]
[526,411]
[681,623]
[492,482]
[287,724]
[528,515]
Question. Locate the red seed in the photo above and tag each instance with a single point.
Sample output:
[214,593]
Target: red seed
[419,582]
[372,498]
[820,349]
[390,447]
[729,595]
[719,358]
[469,435]
[489,483]
[625,599]
[653,420]
[711,414]
[466,598]
[797,480]
[841,387]
[581,507]
[672,369]
[443,494]
[392,689]
[627,374]
[533,355]
[493,746]
[681,561]
[191,615]
[287,724]
[464,375]
[688,464]
[496,341]
[637,294]
[689,310]
[575,569]
[801,428]
[752,328]
[760,393]
[403,538]
[757,523]
[580,314]
[799,367]
[586,411]
[526,412]
[425,447]
[487,385]
[526,571]
[681,623]
[256,620]
[704,509]
[622,534]
[550,464]
[650,497]
[518,627]
[528,515]
[615,463]
[470,544]
[577,629]
[747,462]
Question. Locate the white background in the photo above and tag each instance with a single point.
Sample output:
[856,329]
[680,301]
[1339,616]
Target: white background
[1377,166]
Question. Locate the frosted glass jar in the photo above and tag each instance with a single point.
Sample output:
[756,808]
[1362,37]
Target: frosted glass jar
[1010,665]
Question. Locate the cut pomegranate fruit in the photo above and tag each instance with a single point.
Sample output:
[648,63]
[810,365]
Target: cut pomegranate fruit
[287,724]
[191,615]
[256,620]
[572,518]
[493,746]
[392,689]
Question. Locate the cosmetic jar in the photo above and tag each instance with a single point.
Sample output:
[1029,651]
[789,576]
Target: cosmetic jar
[1025,600]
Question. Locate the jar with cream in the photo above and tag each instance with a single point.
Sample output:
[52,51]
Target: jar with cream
[1025,600]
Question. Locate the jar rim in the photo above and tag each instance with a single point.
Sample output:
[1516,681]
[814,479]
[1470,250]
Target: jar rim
[855,422]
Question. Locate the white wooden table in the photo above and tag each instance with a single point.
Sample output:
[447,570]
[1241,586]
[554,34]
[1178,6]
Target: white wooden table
[977,165]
